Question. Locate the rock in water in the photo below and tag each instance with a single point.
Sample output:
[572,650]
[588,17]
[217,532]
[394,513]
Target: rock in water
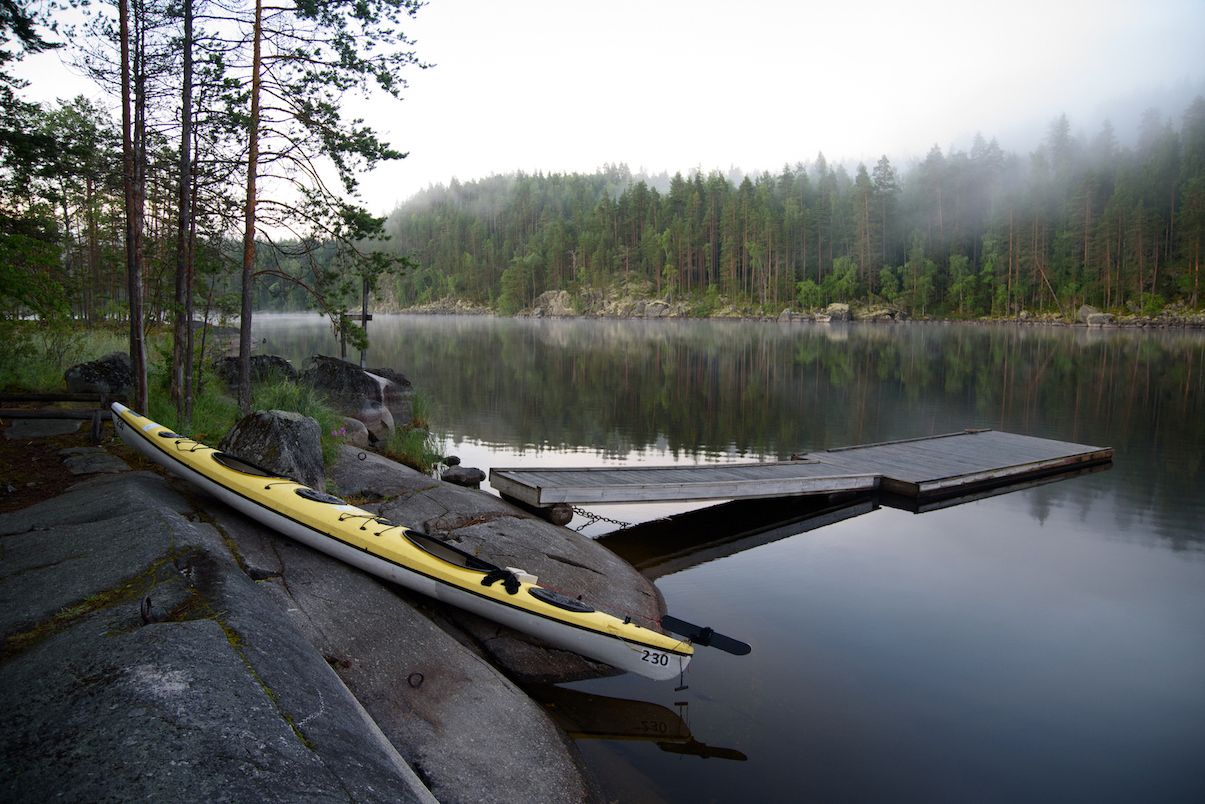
[110,374]
[883,313]
[282,441]
[553,304]
[467,476]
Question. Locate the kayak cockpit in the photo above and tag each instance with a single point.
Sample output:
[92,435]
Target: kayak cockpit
[560,601]
[313,495]
[243,466]
[446,552]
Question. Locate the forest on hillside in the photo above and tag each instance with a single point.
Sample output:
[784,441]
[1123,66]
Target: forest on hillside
[962,233]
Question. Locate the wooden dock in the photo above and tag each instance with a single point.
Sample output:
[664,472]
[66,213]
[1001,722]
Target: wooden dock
[919,468]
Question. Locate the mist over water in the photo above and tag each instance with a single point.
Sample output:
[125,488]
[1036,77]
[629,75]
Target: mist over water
[1043,644]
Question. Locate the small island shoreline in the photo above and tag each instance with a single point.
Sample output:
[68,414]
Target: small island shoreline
[560,305]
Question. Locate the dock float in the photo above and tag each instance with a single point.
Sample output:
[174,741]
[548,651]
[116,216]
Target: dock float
[920,468]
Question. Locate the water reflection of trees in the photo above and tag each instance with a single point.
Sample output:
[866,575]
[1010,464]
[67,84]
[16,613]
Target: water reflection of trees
[703,388]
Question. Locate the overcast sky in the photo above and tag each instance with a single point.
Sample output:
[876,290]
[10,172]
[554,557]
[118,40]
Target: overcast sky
[669,85]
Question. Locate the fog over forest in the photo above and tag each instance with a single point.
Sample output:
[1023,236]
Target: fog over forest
[975,231]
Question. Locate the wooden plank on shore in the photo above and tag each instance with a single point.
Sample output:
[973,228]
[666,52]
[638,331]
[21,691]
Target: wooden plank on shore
[51,413]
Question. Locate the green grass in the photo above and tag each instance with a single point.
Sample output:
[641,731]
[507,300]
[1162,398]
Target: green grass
[34,355]
[282,394]
[421,416]
[414,447]
[213,414]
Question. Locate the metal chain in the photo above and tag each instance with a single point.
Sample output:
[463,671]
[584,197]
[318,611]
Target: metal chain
[594,519]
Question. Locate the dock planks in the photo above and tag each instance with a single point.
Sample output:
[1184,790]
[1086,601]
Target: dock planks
[546,487]
[921,468]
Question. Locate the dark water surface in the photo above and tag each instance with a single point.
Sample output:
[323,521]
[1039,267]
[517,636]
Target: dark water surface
[1042,645]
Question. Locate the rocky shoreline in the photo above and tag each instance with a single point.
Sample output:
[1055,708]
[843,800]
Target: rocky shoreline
[159,644]
[619,305]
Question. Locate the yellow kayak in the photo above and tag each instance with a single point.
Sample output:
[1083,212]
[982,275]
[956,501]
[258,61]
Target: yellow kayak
[406,556]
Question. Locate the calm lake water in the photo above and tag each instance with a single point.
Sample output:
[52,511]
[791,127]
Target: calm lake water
[1042,645]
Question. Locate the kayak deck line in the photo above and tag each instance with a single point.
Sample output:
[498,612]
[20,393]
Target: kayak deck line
[409,557]
[920,468]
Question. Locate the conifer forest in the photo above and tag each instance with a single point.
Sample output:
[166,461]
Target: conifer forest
[960,233]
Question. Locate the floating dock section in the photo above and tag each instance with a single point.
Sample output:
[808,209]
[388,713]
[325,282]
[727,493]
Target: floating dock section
[919,468]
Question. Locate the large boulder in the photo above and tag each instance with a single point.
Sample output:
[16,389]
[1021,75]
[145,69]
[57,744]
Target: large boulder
[355,433]
[141,662]
[342,382]
[507,536]
[376,418]
[282,441]
[110,374]
[656,309]
[435,699]
[349,387]
[263,367]
[397,392]
[1084,311]
[1100,319]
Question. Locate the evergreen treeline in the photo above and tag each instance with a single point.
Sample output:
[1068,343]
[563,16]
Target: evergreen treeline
[960,233]
[62,229]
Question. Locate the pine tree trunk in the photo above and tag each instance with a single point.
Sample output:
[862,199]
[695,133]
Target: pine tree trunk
[244,340]
[93,252]
[181,353]
[133,200]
